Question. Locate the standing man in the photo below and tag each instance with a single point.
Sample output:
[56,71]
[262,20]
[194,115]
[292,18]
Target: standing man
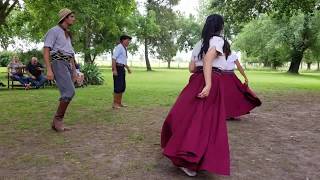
[119,63]
[58,49]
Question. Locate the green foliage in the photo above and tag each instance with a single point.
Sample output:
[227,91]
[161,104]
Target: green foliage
[296,12]
[92,74]
[165,43]
[315,45]
[260,40]
[239,12]
[311,56]
[6,36]
[204,10]
[25,57]
[6,8]
[146,25]
[273,41]
[97,28]
[163,31]
[11,28]
[189,32]
[175,32]
[5,58]
[156,27]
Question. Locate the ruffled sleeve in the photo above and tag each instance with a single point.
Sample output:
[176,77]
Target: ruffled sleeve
[196,51]
[217,43]
[233,58]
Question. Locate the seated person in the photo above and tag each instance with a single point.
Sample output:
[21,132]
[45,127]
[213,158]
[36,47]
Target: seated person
[80,76]
[15,68]
[35,71]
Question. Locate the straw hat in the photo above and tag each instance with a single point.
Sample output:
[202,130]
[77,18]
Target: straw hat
[63,13]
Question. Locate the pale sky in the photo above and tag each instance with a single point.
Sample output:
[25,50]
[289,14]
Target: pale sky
[185,6]
[188,6]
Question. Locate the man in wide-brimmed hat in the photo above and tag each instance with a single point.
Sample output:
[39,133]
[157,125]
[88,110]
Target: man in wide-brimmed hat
[58,48]
[119,63]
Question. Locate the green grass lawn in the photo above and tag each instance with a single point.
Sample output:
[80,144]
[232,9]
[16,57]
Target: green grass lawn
[103,138]
[157,88]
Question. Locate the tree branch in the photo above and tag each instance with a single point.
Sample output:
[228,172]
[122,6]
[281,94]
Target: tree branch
[11,7]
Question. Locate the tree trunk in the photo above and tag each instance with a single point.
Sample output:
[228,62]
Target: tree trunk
[5,9]
[296,59]
[94,57]
[146,55]
[300,47]
[169,64]
[309,66]
[86,45]
[87,57]
[266,63]
[318,66]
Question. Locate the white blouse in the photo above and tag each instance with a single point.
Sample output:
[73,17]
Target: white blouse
[231,61]
[215,42]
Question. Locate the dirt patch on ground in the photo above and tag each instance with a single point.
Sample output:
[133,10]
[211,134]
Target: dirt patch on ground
[279,140]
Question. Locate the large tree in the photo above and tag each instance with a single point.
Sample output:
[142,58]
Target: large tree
[6,7]
[146,29]
[242,11]
[6,32]
[152,27]
[189,32]
[180,34]
[259,40]
[271,41]
[98,25]
[177,33]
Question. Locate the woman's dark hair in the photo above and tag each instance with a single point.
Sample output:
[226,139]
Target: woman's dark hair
[226,48]
[212,27]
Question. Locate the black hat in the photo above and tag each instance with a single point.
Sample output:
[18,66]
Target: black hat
[124,37]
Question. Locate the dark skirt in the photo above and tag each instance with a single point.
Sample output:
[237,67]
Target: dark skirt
[239,98]
[194,134]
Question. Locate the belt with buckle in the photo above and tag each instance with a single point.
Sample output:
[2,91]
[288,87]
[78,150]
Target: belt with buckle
[215,69]
[120,65]
[61,57]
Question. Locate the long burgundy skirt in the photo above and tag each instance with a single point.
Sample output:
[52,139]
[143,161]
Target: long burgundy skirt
[239,98]
[194,134]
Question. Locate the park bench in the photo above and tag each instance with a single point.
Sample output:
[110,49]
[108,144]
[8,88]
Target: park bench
[12,82]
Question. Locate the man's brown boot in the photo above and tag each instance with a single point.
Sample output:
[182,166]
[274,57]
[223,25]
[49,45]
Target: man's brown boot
[57,123]
[120,101]
[116,102]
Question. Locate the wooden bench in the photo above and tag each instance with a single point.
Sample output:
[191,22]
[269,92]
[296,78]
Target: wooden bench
[13,82]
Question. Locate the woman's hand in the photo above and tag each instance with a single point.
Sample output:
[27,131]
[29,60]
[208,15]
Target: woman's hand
[205,92]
